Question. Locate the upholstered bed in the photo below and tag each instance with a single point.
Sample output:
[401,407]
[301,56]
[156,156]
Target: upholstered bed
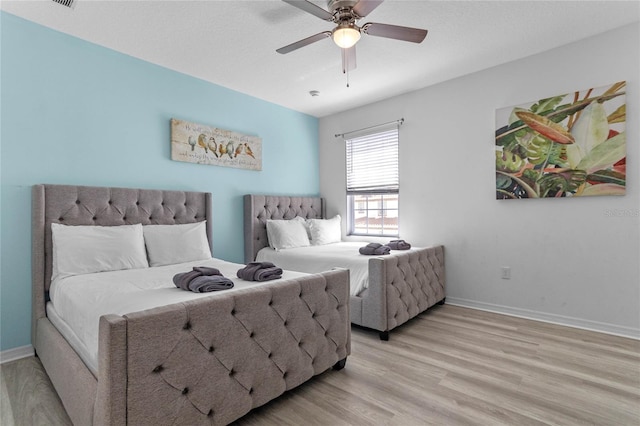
[400,286]
[204,361]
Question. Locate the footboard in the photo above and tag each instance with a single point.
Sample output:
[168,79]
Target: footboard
[212,360]
[402,286]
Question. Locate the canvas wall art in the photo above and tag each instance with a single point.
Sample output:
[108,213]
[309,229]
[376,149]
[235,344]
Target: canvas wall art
[197,143]
[570,145]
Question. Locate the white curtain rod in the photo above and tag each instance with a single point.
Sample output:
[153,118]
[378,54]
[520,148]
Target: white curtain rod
[398,122]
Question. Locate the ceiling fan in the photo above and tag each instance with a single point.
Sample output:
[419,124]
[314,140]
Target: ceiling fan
[345,13]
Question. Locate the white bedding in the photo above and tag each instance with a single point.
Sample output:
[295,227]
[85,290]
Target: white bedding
[314,259]
[78,302]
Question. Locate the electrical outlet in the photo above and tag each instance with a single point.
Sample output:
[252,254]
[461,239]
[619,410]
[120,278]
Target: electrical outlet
[506,273]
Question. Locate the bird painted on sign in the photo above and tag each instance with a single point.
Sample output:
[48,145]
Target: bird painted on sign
[213,146]
[247,149]
[239,150]
[192,142]
[230,149]
[202,141]
[222,149]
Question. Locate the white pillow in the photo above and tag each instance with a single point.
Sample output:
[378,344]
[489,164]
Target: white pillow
[325,231]
[171,244]
[283,234]
[87,249]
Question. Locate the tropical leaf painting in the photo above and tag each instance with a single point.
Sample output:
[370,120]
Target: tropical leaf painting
[570,145]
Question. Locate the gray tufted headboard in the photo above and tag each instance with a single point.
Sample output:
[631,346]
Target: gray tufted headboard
[259,208]
[89,205]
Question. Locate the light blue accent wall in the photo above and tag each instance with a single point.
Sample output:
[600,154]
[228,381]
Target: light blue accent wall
[76,113]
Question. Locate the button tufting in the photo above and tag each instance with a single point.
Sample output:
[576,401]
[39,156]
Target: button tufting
[284,374]
[124,218]
[158,369]
[210,348]
[94,218]
[137,203]
[232,372]
[250,391]
[185,391]
[269,355]
[286,322]
[110,202]
[210,413]
[77,201]
[251,334]
[187,326]
[61,219]
[270,302]
[233,311]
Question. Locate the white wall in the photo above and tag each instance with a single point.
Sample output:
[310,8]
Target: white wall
[571,262]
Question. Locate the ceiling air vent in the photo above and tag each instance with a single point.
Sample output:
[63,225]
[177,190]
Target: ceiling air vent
[67,3]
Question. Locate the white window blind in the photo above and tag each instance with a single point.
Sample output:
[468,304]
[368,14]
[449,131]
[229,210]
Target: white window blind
[372,163]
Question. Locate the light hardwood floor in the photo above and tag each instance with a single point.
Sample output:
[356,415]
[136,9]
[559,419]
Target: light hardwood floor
[448,366]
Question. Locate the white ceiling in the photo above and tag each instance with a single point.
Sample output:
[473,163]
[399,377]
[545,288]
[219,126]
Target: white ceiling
[233,43]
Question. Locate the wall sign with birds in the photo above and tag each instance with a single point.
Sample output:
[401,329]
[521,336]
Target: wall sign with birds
[201,144]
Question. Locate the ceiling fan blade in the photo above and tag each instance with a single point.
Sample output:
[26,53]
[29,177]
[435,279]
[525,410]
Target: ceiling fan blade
[348,59]
[365,7]
[304,42]
[414,35]
[310,8]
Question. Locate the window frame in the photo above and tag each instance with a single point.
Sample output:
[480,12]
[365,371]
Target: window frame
[351,221]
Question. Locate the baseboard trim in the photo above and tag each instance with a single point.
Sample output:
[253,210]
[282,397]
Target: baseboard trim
[16,353]
[600,327]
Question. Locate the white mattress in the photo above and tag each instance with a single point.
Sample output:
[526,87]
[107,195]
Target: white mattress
[78,302]
[314,259]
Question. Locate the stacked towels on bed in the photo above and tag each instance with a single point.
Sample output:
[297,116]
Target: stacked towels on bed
[202,279]
[374,249]
[399,245]
[260,271]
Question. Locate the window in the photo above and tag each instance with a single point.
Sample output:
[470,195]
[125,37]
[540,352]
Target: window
[373,184]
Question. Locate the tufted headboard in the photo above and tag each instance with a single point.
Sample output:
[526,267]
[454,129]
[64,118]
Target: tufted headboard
[90,205]
[259,208]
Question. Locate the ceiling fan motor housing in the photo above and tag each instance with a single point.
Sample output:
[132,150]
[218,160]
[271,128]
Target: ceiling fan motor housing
[341,9]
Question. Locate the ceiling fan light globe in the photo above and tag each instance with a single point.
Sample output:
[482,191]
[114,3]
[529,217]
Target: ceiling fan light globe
[346,37]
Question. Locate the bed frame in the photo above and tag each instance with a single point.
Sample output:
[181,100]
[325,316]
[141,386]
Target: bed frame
[401,285]
[207,361]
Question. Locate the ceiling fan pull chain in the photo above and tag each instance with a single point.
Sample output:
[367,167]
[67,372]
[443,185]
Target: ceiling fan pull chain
[347,71]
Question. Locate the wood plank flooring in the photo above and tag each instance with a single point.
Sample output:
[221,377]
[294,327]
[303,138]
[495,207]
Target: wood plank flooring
[449,366]
[27,397]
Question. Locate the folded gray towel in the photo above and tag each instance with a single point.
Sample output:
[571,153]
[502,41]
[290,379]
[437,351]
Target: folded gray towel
[207,283]
[260,271]
[202,279]
[206,270]
[399,245]
[267,274]
[374,249]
